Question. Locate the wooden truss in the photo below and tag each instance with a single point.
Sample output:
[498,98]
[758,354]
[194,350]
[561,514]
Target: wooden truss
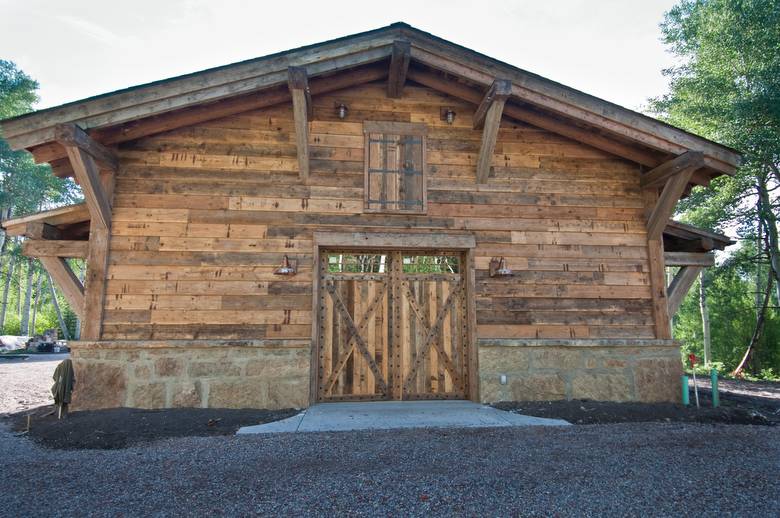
[488,117]
[671,178]
[93,166]
[399,66]
[298,82]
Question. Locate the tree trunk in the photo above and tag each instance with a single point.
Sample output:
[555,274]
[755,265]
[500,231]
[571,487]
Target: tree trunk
[36,302]
[25,317]
[6,289]
[770,225]
[5,213]
[757,332]
[705,319]
[19,293]
[57,310]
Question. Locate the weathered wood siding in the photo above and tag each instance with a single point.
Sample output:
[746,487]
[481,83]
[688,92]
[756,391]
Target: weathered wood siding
[204,214]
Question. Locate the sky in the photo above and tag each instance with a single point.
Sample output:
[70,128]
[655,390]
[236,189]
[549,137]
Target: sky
[77,48]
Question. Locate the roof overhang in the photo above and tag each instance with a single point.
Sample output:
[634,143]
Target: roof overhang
[72,221]
[681,237]
[160,106]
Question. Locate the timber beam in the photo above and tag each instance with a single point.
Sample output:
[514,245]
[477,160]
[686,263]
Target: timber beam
[659,176]
[55,248]
[399,66]
[688,259]
[496,95]
[70,285]
[488,117]
[40,230]
[680,285]
[55,155]
[540,120]
[663,207]
[72,135]
[84,154]
[298,83]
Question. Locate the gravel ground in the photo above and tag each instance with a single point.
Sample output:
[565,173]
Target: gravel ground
[632,469]
[766,392]
[27,383]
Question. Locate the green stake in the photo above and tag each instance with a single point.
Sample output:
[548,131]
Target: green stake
[685,390]
[715,396]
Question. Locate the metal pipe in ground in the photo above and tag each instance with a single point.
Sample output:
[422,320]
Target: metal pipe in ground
[714,382]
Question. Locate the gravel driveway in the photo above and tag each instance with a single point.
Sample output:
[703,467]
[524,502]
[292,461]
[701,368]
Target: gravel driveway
[27,383]
[626,469]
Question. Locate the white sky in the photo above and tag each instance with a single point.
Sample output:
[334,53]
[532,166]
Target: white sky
[79,48]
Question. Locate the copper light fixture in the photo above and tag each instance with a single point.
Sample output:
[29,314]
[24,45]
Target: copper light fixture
[498,268]
[288,267]
[341,110]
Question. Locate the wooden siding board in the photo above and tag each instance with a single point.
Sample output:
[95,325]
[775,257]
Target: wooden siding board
[204,214]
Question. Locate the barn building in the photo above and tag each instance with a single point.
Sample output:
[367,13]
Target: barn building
[383,216]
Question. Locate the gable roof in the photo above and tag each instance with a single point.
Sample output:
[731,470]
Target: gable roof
[138,111]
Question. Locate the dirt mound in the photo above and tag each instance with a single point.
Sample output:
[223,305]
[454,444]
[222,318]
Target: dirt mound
[122,427]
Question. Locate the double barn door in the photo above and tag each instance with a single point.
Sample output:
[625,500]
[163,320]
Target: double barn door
[392,326]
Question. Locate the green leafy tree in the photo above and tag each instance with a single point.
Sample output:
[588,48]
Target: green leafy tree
[726,86]
[25,187]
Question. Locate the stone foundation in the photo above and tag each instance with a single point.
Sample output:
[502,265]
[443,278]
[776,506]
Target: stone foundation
[206,375]
[275,374]
[604,370]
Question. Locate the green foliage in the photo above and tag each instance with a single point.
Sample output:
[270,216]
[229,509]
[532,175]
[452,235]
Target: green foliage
[17,90]
[726,87]
[26,187]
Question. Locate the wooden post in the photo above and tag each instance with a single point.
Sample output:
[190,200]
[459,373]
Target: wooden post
[97,265]
[302,110]
[488,115]
[98,189]
[674,176]
[70,285]
[399,66]
[88,176]
[680,285]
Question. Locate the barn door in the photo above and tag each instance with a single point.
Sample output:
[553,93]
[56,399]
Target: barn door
[432,308]
[391,325]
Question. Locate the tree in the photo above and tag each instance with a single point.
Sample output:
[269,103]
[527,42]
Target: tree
[726,87]
[25,187]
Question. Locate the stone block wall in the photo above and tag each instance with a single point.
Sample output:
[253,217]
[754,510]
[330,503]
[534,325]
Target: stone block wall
[234,375]
[642,370]
[207,377]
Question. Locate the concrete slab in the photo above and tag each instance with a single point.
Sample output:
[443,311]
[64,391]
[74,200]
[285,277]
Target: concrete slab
[388,415]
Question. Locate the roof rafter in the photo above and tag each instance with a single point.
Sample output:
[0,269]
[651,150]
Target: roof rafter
[202,88]
[399,66]
[499,92]
[54,153]
[298,82]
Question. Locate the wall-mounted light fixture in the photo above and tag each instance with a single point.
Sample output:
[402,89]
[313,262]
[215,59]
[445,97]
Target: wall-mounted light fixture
[448,115]
[341,110]
[498,267]
[288,267]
